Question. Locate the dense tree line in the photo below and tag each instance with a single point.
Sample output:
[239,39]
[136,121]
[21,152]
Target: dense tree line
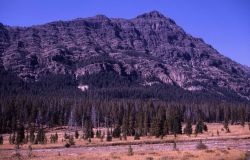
[129,117]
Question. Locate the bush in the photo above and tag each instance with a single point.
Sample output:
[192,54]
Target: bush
[137,136]
[29,151]
[201,146]
[67,145]
[130,151]
[66,136]
[71,140]
[174,146]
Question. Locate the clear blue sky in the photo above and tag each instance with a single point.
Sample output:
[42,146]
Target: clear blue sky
[225,24]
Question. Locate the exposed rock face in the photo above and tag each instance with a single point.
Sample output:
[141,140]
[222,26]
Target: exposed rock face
[150,45]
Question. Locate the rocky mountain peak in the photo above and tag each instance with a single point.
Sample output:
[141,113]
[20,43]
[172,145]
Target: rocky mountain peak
[152,14]
[150,48]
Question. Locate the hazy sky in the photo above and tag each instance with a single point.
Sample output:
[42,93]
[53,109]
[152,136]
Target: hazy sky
[225,24]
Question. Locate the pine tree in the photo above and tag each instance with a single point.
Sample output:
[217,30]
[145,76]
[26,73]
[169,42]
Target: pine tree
[155,129]
[10,139]
[117,131]
[20,134]
[41,137]
[177,128]
[1,139]
[76,134]
[56,137]
[13,139]
[131,128]
[188,129]
[32,134]
[165,128]
[145,124]
[226,125]
[109,136]
[89,133]
[137,136]
[199,127]
[125,125]
[98,134]
[53,138]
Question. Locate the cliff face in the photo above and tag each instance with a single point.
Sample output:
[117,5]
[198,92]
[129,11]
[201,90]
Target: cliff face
[150,46]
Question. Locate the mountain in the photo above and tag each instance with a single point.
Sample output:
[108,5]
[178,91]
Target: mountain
[99,52]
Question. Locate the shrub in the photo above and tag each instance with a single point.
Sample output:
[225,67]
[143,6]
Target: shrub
[130,151]
[66,136]
[174,146]
[67,145]
[218,133]
[71,140]
[29,151]
[201,146]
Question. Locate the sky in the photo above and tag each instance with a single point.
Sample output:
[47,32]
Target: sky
[225,24]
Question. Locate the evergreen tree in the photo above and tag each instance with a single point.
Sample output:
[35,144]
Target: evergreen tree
[137,136]
[109,136]
[188,129]
[32,134]
[76,134]
[165,128]
[177,128]
[226,125]
[20,134]
[89,133]
[199,127]
[56,137]
[117,131]
[145,124]
[41,137]
[155,129]
[1,139]
[125,125]
[10,139]
[98,134]
[131,128]
[13,139]
[53,138]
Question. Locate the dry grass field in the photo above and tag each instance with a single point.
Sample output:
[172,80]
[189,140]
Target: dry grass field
[215,154]
[236,132]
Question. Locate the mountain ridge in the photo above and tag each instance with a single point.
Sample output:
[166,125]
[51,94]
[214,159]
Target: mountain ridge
[150,48]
